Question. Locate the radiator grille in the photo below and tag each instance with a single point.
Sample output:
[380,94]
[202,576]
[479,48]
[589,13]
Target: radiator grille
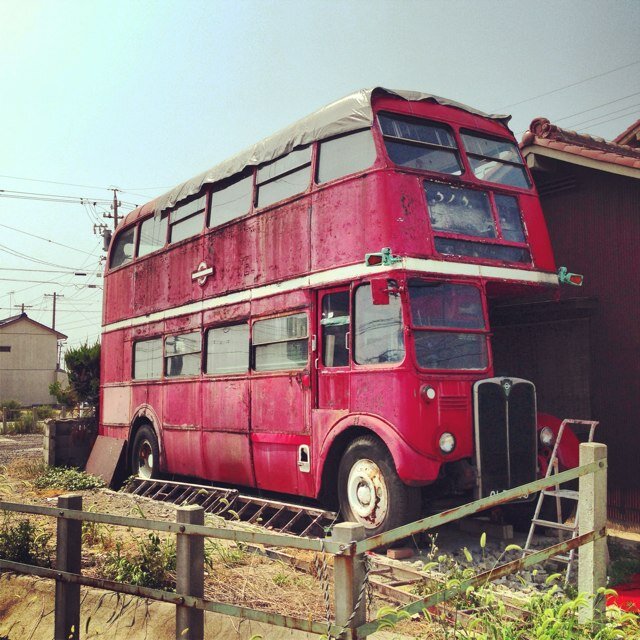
[505,433]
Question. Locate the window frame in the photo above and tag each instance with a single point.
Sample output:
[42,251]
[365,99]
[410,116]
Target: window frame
[220,186]
[166,357]
[354,325]
[160,339]
[117,238]
[260,183]
[498,240]
[164,215]
[472,154]
[420,329]
[255,346]
[318,154]
[204,196]
[205,351]
[410,118]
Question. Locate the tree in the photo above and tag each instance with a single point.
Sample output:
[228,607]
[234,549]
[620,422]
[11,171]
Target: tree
[83,368]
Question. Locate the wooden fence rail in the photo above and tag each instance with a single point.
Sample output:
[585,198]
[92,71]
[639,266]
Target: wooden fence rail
[347,544]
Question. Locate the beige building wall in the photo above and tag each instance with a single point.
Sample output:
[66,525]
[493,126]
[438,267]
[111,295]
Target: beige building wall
[29,367]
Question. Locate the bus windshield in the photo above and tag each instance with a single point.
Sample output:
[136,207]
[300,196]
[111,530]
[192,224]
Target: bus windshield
[448,322]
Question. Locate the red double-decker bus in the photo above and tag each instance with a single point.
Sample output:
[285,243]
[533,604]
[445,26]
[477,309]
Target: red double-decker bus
[311,317]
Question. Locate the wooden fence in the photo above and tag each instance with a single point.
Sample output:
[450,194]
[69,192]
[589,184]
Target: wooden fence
[347,544]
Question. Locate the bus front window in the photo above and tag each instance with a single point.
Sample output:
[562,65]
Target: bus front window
[449,325]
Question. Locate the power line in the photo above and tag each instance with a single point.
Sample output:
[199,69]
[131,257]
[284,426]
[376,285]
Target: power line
[62,284]
[604,104]
[71,272]
[66,246]
[606,115]
[568,86]
[595,124]
[65,184]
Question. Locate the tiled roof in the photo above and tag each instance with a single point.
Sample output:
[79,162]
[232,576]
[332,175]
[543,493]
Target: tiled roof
[544,134]
[630,136]
[11,318]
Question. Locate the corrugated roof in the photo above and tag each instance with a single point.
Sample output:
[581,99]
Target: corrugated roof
[544,134]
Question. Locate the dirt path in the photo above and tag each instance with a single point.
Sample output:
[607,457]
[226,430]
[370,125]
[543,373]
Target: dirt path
[24,445]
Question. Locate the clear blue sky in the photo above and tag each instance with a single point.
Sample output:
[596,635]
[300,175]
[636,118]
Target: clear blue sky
[142,95]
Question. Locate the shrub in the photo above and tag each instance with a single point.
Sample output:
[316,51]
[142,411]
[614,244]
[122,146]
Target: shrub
[23,542]
[11,405]
[68,479]
[150,566]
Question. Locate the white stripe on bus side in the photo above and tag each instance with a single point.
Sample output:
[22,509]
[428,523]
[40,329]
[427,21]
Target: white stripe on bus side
[338,274]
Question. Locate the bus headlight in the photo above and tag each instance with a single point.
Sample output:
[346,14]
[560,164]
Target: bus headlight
[546,436]
[447,442]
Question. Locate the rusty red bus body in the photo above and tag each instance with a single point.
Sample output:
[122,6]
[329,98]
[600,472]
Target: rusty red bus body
[257,350]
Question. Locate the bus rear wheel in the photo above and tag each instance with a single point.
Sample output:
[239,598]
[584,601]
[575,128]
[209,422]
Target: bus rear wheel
[145,454]
[370,491]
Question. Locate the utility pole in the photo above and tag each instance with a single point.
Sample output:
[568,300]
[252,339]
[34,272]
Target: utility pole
[25,306]
[55,296]
[114,207]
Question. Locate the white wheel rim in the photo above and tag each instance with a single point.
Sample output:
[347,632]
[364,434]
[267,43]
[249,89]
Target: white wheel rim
[145,460]
[367,493]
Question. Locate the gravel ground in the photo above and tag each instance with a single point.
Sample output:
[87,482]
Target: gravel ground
[24,445]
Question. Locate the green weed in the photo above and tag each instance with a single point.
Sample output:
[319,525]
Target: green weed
[69,479]
[151,565]
[24,542]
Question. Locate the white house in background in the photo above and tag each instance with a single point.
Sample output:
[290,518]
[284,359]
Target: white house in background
[28,360]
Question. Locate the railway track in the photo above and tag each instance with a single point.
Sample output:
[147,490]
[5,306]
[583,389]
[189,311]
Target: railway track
[230,504]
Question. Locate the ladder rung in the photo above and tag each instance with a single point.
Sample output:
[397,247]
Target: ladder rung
[561,558]
[554,525]
[570,494]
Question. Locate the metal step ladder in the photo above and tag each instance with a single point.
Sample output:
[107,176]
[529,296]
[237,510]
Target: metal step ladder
[558,494]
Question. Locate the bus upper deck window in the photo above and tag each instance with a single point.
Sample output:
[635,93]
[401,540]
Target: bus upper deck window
[231,201]
[344,155]
[419,144]
[153,234]
[284,177]
[497,161]
[187,219]
[123,248]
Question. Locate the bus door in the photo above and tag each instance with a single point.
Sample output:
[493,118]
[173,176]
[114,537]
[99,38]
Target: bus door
[333,355]
[281,403]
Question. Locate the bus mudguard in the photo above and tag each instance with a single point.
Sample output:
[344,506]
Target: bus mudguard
[413,468]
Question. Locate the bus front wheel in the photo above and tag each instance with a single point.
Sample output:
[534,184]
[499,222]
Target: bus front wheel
[370,491]
[145,453]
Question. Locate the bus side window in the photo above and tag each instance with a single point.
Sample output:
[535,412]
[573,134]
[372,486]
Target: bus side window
[182,354]
[378,329]
[153,234]
[344,155]
[147,359]
[228,349]
[335,327]
[187,220]
[281,343]
[231,201]
[284,177]
[122,251]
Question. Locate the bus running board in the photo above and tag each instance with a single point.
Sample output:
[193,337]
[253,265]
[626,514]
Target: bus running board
[230,504]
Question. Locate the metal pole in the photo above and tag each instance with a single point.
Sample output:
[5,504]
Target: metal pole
[190,574]
[592,516]
[68,558]
[348,576]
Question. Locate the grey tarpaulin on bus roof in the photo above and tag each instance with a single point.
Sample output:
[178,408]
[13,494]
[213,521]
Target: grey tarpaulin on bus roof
[350,113]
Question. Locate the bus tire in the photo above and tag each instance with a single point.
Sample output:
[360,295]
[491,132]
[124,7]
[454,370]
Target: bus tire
[370,491]
[145,453]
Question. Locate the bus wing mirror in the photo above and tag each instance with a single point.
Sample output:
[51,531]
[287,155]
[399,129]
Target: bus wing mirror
[379,291]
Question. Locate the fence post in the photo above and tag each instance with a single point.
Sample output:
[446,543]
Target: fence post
[592,516]
[4,421]
[68,558]
[349,587]
[190,574]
